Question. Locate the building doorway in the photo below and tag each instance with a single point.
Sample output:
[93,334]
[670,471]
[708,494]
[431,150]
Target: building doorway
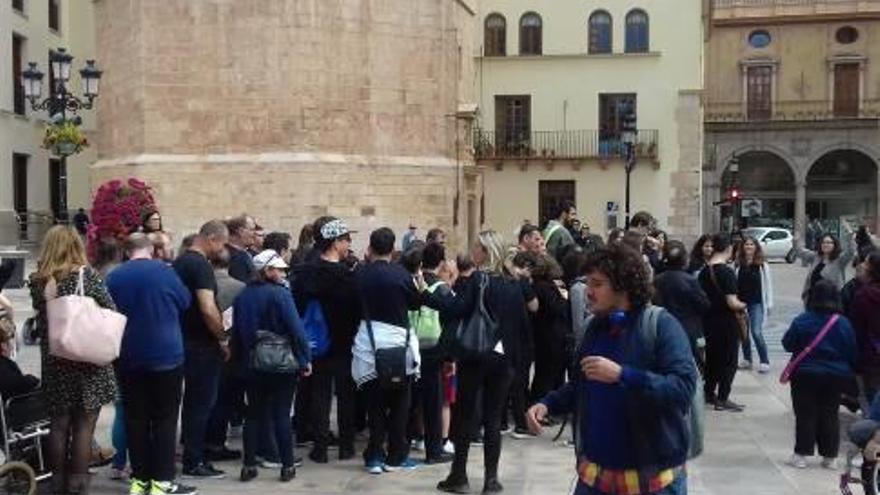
[841,184]
[550,194]
[20,190]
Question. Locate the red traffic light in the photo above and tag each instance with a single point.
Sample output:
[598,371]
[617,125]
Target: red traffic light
[734,194]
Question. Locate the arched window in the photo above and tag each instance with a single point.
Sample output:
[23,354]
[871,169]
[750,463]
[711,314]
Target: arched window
[495,36]
[637,40]
[530,34]
[600,32]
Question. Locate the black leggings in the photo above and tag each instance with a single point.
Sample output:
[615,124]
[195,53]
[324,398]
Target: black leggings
[816,400]
[70,437]
[722,352]
[493,378]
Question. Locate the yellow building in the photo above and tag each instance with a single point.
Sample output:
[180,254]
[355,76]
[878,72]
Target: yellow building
[555,82]
[29,175]
[793,99]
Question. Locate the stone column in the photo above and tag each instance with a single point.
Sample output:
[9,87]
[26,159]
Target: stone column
[800,211]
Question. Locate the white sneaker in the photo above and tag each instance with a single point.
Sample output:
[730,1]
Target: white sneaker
[830,463]
[418,445]
[745,365]
[448,447]
[797,461]
[764,368]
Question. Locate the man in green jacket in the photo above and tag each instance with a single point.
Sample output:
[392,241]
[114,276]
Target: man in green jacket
[556,233]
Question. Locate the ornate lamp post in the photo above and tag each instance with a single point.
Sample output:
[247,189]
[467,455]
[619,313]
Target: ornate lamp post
[629,137]
[63,108]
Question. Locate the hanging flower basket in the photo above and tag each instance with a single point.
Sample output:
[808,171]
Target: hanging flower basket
[116,211]
[64,139]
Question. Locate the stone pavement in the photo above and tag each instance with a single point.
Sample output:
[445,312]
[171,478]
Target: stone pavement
[745,453]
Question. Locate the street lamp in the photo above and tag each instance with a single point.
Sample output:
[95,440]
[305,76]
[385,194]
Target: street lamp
[629,137]
[59,103]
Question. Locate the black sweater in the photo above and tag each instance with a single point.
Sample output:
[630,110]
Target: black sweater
[335,287]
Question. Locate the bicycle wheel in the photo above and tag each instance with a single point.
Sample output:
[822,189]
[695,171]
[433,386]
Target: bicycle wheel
[17,478]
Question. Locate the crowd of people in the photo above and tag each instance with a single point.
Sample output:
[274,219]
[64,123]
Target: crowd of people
[242,333]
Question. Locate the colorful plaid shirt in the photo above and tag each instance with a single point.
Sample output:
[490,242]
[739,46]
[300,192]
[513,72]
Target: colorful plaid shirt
[625,482]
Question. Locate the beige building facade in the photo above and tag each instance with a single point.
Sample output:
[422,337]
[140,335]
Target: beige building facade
[29,30]
[556,82]
[793,103]
[292,109]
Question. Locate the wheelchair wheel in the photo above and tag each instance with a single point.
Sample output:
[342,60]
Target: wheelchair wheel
[17,478]
[870,478]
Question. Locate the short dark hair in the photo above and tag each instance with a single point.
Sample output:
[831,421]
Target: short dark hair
[573,264]
[874,265]
[277,241]
[625,269]
[720,242]
[824,297]
[642,219]
[634,240]
[411,259]
[236,224]
[434,234]
[525,259]
[676,255]
[382,241]
[526,231]
[433,254]
[563,206]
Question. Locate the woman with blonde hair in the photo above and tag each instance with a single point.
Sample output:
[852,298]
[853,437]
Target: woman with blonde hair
[74,391]
[489,373]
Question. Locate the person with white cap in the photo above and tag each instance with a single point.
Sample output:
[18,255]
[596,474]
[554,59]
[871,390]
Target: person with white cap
[270,344]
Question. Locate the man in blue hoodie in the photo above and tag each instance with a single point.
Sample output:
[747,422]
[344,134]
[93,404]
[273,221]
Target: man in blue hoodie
[630,402]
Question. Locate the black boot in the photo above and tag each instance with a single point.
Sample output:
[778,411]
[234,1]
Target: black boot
[248,473]
[318,454]
[454,484]
[492,485]
[288,473]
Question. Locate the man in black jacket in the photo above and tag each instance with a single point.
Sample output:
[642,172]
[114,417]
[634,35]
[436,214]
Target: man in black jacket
[329,280]
[679,292]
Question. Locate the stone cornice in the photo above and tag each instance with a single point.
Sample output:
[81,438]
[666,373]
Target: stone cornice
[278,158]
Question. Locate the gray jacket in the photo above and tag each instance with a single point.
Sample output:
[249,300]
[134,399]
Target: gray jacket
[834,271]
[228,289]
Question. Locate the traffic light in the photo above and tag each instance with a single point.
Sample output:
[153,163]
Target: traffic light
[733,194]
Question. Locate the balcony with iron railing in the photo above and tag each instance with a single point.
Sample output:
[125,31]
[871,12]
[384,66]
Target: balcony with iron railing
[744,9]
[562,145]
[792,111]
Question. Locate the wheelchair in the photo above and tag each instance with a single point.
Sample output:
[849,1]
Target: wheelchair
[860,433]
[23,424]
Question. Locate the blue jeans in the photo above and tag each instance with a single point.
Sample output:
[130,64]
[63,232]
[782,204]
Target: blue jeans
[120,458]
[756,329]
[678,487]
[201,372]
[269,399]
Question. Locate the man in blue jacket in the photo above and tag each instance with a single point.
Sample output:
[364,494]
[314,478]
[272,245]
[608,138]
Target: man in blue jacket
[150,294]
[630,402]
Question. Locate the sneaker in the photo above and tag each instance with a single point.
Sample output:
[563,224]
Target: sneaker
[171,488]
[138,487]
[418,445]
[729,405]
[477,441]
[797,461]
[263,463]
[406,465]
[441,458]
[745,365]
[236,431]
[297,461]
[448,447]
[522,434]
[830,463]
[374,467]
[117,474]
[205,472]
[506,429]
[764,368]
[223,454]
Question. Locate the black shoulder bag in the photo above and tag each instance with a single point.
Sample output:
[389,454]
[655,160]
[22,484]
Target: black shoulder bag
[391,361]
[272,352]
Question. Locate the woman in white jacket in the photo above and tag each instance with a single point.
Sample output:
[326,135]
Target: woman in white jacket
[755,288]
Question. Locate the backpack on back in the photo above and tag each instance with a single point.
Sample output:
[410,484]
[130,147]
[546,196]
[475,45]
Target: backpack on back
[425,322]
[317,331]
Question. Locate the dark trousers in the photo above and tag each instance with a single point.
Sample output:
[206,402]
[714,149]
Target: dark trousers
[202,370]
[816,400]
[229,408]
[519,395]
[427,403]
[152,404]
[269,398]
[387,414]
[722,353]
[302,420]
[333,373]
[492,378]
[549,372]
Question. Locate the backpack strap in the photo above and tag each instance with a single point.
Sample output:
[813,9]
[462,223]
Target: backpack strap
[549,231]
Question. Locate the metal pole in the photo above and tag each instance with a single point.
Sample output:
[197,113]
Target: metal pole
[626,221]
[630,164]
[62,191]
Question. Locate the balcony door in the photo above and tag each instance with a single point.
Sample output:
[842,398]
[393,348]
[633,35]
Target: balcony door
[759,87]
[550,194]
[19,188]
[513,123]
[846,90]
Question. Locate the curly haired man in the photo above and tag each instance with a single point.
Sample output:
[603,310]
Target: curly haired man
[631,395]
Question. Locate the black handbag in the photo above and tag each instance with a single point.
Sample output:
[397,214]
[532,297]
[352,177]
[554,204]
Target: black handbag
[477,335]
[390,362]
[272,352]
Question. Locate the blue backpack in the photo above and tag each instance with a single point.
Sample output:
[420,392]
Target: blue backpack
[316,328]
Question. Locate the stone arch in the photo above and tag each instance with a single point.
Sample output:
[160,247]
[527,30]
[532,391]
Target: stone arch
[868,151]
[739,151]
[842,182]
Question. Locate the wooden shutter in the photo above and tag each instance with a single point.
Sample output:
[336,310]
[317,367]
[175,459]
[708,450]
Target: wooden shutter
[759,83]
[846,90]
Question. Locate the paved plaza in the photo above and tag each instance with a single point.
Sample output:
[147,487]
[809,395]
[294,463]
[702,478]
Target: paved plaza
[745,453]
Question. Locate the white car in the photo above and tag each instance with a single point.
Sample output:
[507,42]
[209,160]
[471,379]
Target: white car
[777,244]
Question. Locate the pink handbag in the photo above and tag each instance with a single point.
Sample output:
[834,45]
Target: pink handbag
[795,361]
[79,329]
